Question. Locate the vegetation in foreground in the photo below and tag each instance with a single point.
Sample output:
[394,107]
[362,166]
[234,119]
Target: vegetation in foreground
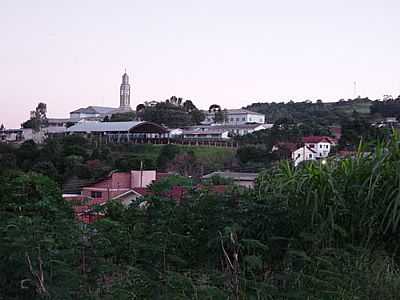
[316,232]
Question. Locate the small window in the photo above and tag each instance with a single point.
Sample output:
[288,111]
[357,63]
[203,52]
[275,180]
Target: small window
[237,119]
[243,119]
[326,146]
[96,194]
[310,155]
[320,154]
[320,146]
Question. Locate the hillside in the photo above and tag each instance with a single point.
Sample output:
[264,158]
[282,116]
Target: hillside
[324,113]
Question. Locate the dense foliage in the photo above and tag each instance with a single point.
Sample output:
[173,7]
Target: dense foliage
[173,113]
[39,238]
[78,158]
[320,231]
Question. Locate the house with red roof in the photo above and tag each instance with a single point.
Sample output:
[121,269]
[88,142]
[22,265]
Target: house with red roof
[315,147]
[302,154]
[125,187]
[320,144]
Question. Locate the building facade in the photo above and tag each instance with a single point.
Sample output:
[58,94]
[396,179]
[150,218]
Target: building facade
[236,117]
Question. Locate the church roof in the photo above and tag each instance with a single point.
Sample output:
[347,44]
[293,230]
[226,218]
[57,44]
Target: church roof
[94,110]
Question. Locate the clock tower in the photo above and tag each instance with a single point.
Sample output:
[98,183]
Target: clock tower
[125,94]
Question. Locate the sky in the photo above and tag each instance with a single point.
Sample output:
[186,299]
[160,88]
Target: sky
[72,53]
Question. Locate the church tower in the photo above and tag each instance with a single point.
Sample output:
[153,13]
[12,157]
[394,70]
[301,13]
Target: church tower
[125,94]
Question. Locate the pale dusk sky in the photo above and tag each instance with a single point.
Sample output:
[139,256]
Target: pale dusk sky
[71,54]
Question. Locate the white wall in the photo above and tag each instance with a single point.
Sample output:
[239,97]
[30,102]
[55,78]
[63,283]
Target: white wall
[323,149]
[302,154]
[232,118]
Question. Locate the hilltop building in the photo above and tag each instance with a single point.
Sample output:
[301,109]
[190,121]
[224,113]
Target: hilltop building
[236,117]
[95,113]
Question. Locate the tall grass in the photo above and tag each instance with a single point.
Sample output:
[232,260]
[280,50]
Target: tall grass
[343,224]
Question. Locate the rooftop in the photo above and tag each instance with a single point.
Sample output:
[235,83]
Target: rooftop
[94,110]
[228,126]
[318,139]
[234,175]
[103,126]
[240,111]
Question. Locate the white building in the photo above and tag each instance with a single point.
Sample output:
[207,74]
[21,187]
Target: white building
[209,134]
[302,154]
[239,129]
[315,147]
[320,144]
[236,116]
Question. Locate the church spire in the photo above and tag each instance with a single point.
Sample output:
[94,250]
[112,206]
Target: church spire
[125,93]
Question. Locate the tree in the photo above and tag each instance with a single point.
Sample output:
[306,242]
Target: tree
[168,114]
[214,108]
[220,116]
[140,111]
[123,117]
[38,118]
[167,154]
[189,106]
[197,116]
[40,240]
[185,164]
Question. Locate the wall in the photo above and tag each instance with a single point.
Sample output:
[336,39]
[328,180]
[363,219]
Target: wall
[142,178]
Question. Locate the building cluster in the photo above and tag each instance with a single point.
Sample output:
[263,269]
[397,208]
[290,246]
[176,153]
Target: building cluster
[129,187]
[218,126]
[89,120]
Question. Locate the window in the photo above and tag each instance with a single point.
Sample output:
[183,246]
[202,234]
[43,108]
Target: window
[243,119]
[320,146]
[310,155]
[326,146]
[231,119]
[320,154]
[95,194]
[237,119]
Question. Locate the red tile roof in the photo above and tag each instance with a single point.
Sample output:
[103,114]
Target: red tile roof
[317,139]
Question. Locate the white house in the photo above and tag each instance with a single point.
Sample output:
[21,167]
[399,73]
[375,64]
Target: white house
[302,154]
[237,116]
[315,147]
[320,144]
